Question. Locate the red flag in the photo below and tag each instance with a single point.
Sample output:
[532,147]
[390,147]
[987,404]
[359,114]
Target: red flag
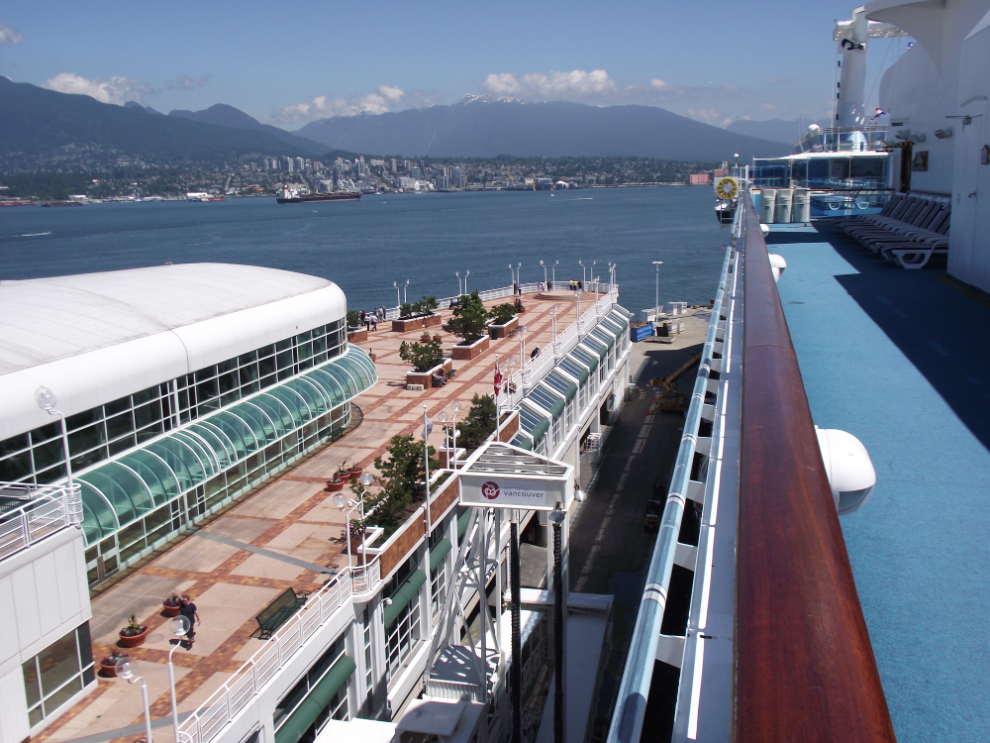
[498,378]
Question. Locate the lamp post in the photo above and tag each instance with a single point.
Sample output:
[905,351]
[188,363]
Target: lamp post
[656,306]
[584,273]
[458,275]
[556,517]
[519,276]
[553,327]
[522,348]
[544,273]
[466,274]
[47,401]
[340,501]
[396,285]
[446,438]
[457,407]
[405,289]
[577,297]
[179,626]
[125,672]
[512,273]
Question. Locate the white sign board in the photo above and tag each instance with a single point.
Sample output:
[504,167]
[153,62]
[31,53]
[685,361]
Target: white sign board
[514,491]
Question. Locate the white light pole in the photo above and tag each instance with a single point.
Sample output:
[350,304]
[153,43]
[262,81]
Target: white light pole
[341,502]
[584,272]
[656,306]
[179,626]
[446,438]
[47,401]
[522,347]
[577,297]
[544,274]
[366,479]
[512,273]
[553,326]
[405,289]
[466,274]
[553,273]
[458,275]
[519,276]
[457,407]
[396,285]
[125,672]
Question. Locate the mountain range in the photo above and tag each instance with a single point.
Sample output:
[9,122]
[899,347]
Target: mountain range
[45,128]
[484,127]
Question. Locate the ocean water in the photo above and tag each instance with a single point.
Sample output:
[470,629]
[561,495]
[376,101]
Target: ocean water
[367,245]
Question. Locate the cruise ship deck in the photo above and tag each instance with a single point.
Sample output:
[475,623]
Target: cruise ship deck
[900,360]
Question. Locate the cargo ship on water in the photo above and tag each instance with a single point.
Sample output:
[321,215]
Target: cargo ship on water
[291,196]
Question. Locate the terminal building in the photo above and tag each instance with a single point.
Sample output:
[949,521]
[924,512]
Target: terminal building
[183,388]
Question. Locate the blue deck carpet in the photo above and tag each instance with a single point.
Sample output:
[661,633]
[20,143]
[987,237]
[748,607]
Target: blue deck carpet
[901,360]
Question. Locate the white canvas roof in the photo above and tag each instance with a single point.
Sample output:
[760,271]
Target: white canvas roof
[92,338]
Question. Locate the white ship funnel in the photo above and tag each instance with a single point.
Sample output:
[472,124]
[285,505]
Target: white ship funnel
[852,37]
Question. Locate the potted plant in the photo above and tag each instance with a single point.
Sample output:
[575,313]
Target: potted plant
[425,337]
[171,604]
[356,533]
[334,485]
[354,472]
[423,356]
[108,666]
[133,634]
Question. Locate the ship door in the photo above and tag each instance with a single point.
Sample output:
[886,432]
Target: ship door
[969,176]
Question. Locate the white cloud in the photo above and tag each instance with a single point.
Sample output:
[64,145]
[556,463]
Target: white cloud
[387,98]
[711,116]
[189,83]
[9,35]
[573,85]
[117,90]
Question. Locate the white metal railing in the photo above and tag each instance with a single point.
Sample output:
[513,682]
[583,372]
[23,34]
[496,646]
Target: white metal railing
[533,370]
[239,690]
[46,510]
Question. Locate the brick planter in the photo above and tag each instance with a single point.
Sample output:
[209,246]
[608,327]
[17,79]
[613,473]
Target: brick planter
[416,323]
[426,378]
[357,336]
[502,331]
[473,351]
[510,427]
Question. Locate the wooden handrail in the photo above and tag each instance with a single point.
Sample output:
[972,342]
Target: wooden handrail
[804,667]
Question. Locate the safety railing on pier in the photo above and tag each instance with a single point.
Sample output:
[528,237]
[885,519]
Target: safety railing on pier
[634,689]
[204,724]
[43,511]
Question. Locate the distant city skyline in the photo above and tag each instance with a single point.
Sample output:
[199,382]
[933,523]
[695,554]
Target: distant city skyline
[287,65]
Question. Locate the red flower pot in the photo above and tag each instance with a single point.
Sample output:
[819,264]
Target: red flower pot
[334,487]
[170,611]
[132,641]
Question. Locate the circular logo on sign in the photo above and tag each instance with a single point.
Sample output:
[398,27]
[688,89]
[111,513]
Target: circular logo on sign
[490,490]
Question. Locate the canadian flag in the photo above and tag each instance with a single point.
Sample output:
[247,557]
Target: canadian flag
[498,378]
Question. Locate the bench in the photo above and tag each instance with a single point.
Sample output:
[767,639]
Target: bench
[279,611]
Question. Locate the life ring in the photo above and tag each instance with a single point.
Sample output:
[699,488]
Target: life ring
[727,188]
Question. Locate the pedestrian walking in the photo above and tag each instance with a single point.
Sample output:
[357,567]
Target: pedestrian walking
[187,609]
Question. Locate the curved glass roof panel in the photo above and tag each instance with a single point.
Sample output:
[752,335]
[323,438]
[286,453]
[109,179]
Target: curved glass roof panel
[314,400]
[261,424]
[548,399]
[121,491]
[238,432]
[99,519]
[298,411]
[576,370]
[329,384]
[523,442]
[533,422]
[618,317]
[559,383]
[346,380]
[151,477]
[611,327]
[218,445]
[595,345]
[607,338]
[585,357]
[199,450]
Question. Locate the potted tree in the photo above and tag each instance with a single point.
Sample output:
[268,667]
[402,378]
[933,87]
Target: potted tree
[504,320]
[171,604]
[356,332]
[470,324]
[108,666]
[426,358]
[417,315]
[133,634]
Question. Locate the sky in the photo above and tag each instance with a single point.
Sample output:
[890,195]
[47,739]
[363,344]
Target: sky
[288,63]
